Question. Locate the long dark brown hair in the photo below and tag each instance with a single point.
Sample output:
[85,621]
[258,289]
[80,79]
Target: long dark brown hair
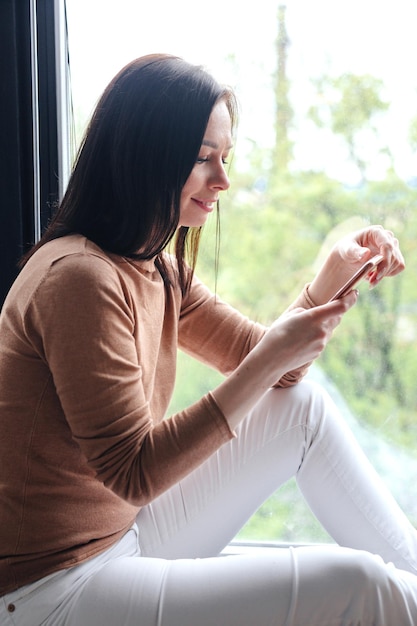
[137,153]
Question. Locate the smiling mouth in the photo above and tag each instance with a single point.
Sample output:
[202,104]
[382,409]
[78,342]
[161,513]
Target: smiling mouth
[205,205]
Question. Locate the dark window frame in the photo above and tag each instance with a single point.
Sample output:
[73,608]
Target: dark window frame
[31,155]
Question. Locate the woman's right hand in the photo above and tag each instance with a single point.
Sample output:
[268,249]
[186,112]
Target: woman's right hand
[300,335]
[294,339]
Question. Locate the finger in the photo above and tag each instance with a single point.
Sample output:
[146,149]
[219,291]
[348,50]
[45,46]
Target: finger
[383,241]
[393,262]
[341,305]
[393,257]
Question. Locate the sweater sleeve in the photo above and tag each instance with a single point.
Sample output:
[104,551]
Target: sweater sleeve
[220,336]
[214,332]
[82,322]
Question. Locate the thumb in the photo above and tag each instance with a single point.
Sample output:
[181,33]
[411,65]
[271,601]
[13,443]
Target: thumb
[361,253]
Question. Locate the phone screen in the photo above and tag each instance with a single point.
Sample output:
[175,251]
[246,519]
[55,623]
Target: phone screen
[358,276]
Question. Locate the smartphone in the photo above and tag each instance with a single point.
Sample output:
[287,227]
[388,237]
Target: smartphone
[362,272]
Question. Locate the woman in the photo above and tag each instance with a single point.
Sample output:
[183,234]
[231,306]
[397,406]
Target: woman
[107,508]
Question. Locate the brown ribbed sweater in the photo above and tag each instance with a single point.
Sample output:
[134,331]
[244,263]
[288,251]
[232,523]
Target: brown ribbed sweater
[87,369]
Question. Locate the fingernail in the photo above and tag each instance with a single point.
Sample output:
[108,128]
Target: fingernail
[375,281]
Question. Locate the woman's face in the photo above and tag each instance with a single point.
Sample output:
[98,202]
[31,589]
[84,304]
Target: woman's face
[208,176]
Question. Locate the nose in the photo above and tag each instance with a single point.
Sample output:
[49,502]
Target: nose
[220,179]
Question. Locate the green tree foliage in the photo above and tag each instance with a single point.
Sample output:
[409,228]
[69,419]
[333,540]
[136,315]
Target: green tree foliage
[367,356]
[413,133]
[284,112]
[348,105]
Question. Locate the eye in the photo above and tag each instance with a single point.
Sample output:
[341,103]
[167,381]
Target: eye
[226,157]
[206,159]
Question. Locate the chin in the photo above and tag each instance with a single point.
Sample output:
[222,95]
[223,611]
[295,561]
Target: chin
[193,223]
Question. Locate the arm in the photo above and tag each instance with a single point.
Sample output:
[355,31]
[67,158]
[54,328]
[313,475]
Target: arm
[213,332]
[92,332]
[345,258]
[296,338]
[342,262]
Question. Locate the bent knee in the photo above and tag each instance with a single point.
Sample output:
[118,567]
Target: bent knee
[364,572]
[344,573]
[354,587]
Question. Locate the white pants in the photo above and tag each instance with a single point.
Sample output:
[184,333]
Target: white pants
[168,574]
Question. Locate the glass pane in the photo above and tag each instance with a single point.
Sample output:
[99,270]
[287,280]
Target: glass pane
[327,142]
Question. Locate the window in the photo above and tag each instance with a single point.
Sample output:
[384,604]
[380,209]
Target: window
[327,143]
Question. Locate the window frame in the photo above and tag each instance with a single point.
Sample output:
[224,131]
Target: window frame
[34,124]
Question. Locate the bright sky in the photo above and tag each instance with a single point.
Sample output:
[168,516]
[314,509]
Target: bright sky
[327,36]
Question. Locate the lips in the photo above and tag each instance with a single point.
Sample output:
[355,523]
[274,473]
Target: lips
[206,205]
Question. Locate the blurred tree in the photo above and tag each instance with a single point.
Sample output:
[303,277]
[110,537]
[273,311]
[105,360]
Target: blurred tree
[348,104]
[413,134]
[283,108]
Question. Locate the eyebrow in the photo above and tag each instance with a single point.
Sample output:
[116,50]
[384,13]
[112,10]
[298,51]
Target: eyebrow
[213,145]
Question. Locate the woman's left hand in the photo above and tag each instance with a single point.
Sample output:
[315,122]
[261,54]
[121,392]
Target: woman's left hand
[352,251]
[361,245]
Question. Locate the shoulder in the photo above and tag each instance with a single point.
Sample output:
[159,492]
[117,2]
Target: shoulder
[77,285]
[69,265]
[72,256]
[73,250]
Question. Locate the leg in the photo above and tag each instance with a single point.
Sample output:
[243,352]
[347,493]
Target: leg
[348,497]
[321,586]
[201,514]
[289,432]
[295,431]
[324,585]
